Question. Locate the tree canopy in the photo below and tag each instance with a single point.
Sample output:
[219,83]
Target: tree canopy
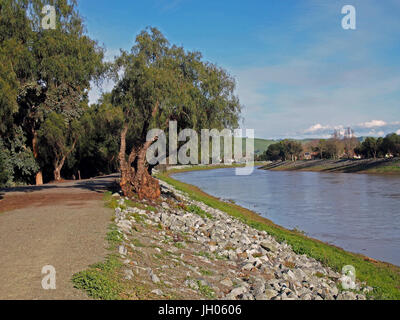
[161,83]
[43,71]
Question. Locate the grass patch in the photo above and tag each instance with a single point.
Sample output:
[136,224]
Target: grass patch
[200,212]
[137,243]
[203,254]
[211,167]
[139,218]
[206,272]
[179,245]
[100,281]
[205,290]
[383,277]
[114,237]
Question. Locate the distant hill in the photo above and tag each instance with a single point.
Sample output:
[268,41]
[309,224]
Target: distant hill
[260,145]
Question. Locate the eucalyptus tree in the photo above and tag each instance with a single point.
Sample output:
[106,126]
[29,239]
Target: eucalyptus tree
[161,83]
[45,70]
[98,146]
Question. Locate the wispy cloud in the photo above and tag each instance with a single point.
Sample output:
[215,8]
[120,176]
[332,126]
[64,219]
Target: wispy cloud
[316,128]
[373,124]
[375,128]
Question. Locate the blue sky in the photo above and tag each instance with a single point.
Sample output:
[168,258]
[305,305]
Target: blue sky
[299,73]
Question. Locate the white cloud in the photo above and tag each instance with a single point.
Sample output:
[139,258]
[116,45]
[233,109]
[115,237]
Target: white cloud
[373,124]
[316,128]
[398,132]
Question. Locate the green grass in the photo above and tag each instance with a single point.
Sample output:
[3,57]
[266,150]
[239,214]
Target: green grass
[206,272]
[100,281]
[137,243]
[383,277]
[385,170]
[205,290]
[203,254]
[179,245]
[110,201]
[201,167]
[114,237]
[200,212]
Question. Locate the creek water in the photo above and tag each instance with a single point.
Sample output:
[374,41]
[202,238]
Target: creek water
[357,212]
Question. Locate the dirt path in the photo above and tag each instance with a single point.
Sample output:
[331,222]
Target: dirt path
[63,225]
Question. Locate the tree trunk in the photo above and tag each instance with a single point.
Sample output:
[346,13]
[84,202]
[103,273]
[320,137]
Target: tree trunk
[39,175]
[57,169]
[135,176]
[58,165]
[57,173]
[143,183]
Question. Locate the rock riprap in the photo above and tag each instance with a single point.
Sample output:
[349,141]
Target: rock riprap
[184,249]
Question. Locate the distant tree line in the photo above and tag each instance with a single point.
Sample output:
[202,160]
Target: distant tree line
[380,147]
[339,146]
[283,150]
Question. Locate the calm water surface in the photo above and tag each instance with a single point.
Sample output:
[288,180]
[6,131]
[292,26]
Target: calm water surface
[358,212]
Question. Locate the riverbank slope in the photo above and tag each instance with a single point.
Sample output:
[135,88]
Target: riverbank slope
[378,166]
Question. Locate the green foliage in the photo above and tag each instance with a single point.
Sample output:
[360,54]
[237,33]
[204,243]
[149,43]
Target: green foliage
[370,147]
[100,280]
[43,71]
[205,290]
[4,166]
[196,210]
[380,147]
[203,254]
[17,163]
[327,149]
[283,150]
[163,82]
[391,144]
[57,139]
[98,145]
[114,237]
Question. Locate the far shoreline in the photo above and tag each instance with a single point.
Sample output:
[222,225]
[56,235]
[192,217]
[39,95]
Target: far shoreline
[362,166]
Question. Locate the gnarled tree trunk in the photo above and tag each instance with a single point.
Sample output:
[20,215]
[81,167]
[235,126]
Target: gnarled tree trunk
[135,176]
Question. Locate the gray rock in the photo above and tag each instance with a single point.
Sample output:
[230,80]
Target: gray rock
[157,292]
[258,287]
[306,296]
[248,267]
[128,274]
[154,277]
[247,296]
[227,282]
[346,295]
[192,284]
[269,294]
[237,291]
[122,250]
[268,246]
